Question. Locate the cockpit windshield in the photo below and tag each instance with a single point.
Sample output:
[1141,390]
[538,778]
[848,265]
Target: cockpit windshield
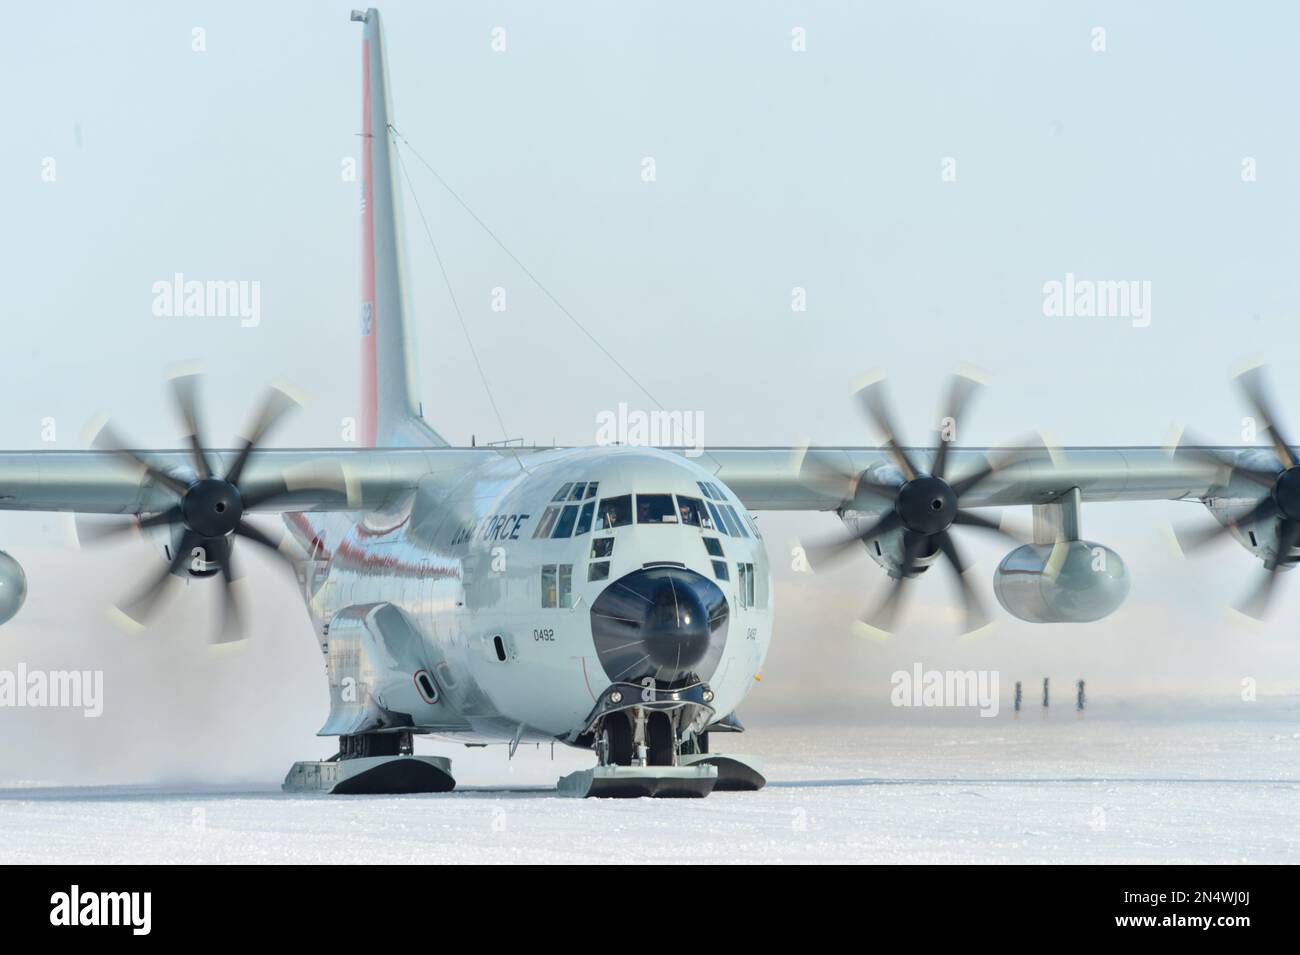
[655,509]
[680,509]
[689,508]
[614,512]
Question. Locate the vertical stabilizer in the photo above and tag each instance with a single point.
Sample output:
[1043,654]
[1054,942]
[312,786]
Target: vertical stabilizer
[390,409]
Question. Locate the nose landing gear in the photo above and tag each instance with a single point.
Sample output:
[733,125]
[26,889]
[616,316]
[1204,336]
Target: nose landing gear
[616,747]
[657,751]
[660,739]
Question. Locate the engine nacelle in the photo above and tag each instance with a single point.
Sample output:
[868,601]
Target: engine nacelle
[1067,582]
[13,587]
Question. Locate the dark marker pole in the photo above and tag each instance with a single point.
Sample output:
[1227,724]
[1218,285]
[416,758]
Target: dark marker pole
[1018,696]
[1046,681]
[1081,698]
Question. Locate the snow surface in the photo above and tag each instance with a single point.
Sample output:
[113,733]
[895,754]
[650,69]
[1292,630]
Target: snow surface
[1107,788]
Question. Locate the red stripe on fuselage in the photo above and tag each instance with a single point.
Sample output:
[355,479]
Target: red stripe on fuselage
[369,369]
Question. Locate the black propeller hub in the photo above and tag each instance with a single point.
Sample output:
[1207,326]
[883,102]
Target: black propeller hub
[1286,492]
[926,504]
[212,507]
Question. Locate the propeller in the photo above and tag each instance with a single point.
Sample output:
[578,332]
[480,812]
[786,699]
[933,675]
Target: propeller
[210,509]
[925,506]
[1281,502]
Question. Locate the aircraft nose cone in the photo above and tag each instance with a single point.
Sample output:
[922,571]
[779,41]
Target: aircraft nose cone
[668,624]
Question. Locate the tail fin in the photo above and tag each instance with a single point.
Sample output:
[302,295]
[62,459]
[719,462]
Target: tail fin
[390,411]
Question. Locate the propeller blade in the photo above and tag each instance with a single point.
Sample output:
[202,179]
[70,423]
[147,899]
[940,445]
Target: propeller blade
[1205,454]
[1003,461]
[1252,384]
[882,618]
[833,550]
[960,393]
[275,406]
[835,481]
[231,627]
[872,399]
[971,519]
[1256,605]
[142,606]
[108,440]
[185,392]
[255,534]
[972,607]
[311,477]
[98,530]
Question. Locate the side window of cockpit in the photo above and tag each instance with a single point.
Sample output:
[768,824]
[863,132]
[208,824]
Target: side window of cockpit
[591,488]
[745,585]
[578,491]
[713,546]
[562,493]
[547,522]
[568,517]
[584,519]
[566,585]
[602,546]
[550,597]
[557,585]
[689,508]
[614,512]
[655,509]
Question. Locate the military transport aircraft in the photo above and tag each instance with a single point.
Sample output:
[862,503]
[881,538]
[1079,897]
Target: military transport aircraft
[612,598]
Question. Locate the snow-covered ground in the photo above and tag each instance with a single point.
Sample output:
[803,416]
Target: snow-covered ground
[1111,787]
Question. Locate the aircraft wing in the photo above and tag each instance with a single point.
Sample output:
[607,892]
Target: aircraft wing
[827,479]
[775,478]
[137,482]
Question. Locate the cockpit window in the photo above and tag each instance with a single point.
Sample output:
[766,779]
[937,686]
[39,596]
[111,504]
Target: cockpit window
[568,517]
[732,516]
[655,509]
[591,488]
[578,490]
[614,512]
[718,523]
[562,493]
[689,509]
[711,490]
[584,519]
[547,522]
